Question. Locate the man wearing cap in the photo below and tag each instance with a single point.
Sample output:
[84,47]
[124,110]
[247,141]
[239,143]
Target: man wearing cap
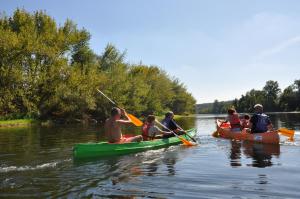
[260,122]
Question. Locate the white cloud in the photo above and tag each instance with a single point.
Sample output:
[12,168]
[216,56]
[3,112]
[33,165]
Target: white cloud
[279,47]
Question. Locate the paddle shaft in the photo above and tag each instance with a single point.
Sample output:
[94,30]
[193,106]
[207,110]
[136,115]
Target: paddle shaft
[114,103]
[166,128]
[187,134]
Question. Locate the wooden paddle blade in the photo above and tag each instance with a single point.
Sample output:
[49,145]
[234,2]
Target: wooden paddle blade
[135,120]
[186,142]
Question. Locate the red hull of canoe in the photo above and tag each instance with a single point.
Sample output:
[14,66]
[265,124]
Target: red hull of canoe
[224,131]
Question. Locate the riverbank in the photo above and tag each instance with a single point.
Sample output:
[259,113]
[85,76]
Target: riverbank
[176,117]
[17,123]
[29,122]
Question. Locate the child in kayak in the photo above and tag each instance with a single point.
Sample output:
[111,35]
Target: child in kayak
[150,131]
[113,127]
[234,120]
[245,122]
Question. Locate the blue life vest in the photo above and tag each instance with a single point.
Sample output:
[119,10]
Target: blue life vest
[260,123]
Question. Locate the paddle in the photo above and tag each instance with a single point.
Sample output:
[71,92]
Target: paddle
[185,142]
[287,132]
[132,118]
[186,133]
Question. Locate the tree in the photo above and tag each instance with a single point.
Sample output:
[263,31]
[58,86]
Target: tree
[49,72]
[290,98]
[272,91]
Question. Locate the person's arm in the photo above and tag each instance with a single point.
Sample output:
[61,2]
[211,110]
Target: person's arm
[251,122]
[270,125]
[178,127]
[173,126]
[123,122]
[126,121]
[159,131]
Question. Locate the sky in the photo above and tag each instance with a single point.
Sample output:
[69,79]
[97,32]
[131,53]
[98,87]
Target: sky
[218,49]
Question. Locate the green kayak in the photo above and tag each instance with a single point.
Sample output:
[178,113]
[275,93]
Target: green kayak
[101,149]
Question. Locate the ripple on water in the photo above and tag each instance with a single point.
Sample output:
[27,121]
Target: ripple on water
[37,164]
[32,168]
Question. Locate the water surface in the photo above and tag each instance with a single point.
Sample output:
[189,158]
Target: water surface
[37,163]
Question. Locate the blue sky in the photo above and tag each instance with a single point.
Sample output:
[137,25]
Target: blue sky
[218,49]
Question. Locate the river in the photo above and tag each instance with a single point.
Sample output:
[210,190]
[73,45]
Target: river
[37,162]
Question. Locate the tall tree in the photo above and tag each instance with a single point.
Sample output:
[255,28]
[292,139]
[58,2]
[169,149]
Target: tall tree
[272,92]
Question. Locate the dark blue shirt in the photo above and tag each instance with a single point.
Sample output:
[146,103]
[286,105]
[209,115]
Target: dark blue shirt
[171,124]
[260,122]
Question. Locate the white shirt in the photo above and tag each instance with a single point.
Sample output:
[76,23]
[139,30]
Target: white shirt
[154,130]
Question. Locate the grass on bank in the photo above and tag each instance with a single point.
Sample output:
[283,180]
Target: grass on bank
[17,122]
[28,122]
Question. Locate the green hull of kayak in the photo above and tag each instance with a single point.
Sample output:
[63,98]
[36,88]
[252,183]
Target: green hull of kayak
[104,149]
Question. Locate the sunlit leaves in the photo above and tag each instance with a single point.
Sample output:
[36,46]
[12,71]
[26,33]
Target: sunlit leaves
[50,71]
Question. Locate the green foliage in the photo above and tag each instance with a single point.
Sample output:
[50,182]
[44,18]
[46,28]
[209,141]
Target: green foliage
[290,98]
[49,71]
[216,107]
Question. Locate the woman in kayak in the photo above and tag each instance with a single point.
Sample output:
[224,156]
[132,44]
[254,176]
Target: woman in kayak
[234,120]
[113,127]
[151,131]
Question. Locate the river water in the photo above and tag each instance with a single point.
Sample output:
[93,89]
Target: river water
[37,162]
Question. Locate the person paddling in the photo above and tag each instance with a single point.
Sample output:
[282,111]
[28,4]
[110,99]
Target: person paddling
[260,122]
[170,123]
[234,120]
[151,131]
[113,127]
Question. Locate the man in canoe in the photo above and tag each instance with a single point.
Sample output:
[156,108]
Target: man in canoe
[151,131]
[260,122]
[170,123]
[113,127]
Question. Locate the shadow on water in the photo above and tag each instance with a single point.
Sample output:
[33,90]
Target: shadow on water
[261,154]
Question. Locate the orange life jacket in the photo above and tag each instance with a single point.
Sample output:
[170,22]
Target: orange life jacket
[235,121]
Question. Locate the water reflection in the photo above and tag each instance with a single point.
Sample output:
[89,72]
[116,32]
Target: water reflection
[123,169]
[288,120]
[261,154]
[262,179]
[235,154]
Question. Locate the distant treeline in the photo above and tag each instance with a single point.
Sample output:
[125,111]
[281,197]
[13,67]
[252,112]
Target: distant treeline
[49,71]
[271,97]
